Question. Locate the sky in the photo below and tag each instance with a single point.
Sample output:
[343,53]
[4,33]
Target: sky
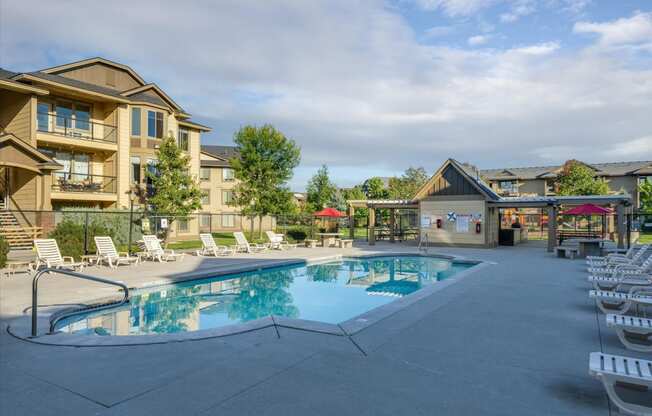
[373,87]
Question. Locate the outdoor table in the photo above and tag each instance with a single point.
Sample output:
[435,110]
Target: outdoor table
[325,236]
[590,247]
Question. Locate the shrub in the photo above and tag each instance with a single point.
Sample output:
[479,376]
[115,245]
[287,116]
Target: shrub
[70,237]
[114,221]
[4,250]
[296,234]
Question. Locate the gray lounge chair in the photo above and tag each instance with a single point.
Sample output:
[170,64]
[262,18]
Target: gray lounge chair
[621,302]
[633,331]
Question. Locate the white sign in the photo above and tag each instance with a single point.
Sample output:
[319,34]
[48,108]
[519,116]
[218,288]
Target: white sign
[164,223]
[462,224]
[425,221]
[451,216]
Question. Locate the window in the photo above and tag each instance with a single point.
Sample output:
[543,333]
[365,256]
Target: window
[182,225]
[507,186]
[151,168]
[227,197]
[43,116]
[204,174]
[155,124]
[64,115]
[135,121]
[82,117]
[206,197]
[205,220]
[550,186]
[228,220]
[135,170]
[228,175]
[184,135]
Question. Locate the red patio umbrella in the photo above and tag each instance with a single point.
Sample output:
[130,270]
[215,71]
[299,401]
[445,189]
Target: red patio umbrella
[587,209]
[329,212]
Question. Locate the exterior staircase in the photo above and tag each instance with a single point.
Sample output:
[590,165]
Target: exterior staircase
[18,237]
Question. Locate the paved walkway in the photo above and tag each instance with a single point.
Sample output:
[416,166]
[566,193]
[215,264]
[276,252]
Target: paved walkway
[512,339]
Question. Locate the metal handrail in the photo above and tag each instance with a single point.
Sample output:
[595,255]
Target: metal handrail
[72,274]
[421,241]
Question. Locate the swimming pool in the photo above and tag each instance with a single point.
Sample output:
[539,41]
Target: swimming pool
[330,292]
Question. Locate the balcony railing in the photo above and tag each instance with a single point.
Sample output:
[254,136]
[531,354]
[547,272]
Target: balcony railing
[76,128]
[81,182]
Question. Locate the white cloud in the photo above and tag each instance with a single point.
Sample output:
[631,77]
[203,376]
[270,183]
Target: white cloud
[366,97]
[455,8]
[478,40]
[518,9]
[438,31]
[632,30]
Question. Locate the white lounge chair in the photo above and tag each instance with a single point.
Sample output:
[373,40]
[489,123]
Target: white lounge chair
[106,252]
[627,372]
[154,250]
[621,302]
[632,327]
[597,261]
[276,241]
[624,275]
[242,245]
[210,248]
[47,252]
[636,260]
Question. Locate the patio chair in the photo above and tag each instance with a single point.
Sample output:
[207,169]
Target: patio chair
[242,245]
[610,301]
[47,252]
[106,252]
[276,241]
[154,250]
[633,331]
[210,248]
[597,261]
[630,373]
[636,260]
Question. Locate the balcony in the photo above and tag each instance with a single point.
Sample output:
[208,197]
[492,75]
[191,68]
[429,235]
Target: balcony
[76,128]
[67,182]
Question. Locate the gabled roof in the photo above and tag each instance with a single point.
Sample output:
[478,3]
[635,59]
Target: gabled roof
[469,174]
[221,155]
[91,61]
[40,160]
[139,94]
[69,82]
[543,172]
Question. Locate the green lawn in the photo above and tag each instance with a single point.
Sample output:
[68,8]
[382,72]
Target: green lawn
[222,239]
[646,238]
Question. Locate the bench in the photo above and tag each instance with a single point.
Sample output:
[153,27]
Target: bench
[562,250]
[310,243]
[345,243]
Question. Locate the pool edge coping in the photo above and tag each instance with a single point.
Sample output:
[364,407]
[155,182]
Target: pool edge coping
[20,327]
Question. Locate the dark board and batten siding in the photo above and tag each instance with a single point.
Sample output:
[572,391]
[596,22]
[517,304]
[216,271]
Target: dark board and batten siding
[450,183]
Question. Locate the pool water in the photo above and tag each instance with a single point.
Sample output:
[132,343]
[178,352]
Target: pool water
[330,292]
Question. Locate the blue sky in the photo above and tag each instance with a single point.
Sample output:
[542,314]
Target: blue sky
[372,87]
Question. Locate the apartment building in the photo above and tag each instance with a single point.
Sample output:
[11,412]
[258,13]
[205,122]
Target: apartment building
[217,180]
[84,134]
[539,181]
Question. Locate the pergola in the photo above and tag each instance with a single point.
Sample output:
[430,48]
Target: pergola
[372,204]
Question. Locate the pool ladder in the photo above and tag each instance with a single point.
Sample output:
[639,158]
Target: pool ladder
[424,243]
[71,273]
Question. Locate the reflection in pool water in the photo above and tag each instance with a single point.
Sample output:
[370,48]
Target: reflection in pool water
[331,292]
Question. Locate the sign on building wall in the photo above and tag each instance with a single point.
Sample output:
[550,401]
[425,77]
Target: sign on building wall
[462,223]
[425,221]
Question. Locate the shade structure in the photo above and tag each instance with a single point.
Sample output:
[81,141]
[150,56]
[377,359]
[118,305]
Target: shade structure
[329,212]
[587,209]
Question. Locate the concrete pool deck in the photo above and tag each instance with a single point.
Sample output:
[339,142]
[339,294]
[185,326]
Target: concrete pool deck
[513,338]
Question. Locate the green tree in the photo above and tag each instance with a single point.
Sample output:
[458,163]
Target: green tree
[374,188]
[175,191]
[266,162]
[578,179]
[356,194]
[320,190]
[406,186]
[645,193]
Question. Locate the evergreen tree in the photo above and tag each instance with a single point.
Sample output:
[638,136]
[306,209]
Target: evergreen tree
[320,190]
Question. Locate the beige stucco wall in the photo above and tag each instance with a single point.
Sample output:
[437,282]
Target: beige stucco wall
[448,234]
